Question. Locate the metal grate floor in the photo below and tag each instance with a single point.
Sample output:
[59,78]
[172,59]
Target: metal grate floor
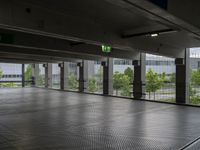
[39,119]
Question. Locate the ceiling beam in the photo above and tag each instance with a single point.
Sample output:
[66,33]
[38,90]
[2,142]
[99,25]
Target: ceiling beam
[85,29]
[43,54]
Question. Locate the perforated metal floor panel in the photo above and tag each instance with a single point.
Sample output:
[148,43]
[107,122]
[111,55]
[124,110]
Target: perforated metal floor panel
[39,119]
[195,145]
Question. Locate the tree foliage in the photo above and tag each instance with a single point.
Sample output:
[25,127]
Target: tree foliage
[154,81]
[28,74]
[41,80]
[194,98]
[92,85]
[195,78]
[73,83]
[195,81]
[1,73]
[125,90]
[129,73]
[121,82]
[173,78]
[8,85]
[117,81]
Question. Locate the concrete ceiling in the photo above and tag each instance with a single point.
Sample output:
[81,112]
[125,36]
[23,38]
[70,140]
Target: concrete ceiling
[53,26]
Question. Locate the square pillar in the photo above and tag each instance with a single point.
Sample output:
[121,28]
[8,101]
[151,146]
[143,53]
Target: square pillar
[81,77]
[85,74]
[139,77]
[182,79]
[64,68]
[62,75]
[108,76]
[48,75]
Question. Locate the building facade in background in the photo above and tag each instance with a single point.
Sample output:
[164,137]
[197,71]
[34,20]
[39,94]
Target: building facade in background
[160,64]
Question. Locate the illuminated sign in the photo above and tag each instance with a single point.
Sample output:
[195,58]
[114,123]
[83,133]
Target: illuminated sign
[106,48]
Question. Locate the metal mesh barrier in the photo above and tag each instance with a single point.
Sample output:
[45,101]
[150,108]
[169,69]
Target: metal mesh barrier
[160,78]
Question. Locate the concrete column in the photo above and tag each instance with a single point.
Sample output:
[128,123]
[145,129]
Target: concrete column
[108,76]
[85,74]
[81,77]
[48,75]
[187,67]
[33,75]
[182,79]
[23,75]
[62,75]
[139,77]
[64,68]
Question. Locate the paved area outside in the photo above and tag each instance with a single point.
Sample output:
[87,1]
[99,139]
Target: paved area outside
[39,119]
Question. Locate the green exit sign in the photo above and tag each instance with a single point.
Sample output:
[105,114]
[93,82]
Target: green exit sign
[106,48]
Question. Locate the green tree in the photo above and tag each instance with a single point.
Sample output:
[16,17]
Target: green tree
[194,99]
[129,73]
[8,85]
[195,81]
[73,83]
[28,74]
[125,90]
[41,80]
[154,81]
[92,85]
[195,78]
[121,82]
[117,81]
[1,73]
[173,77]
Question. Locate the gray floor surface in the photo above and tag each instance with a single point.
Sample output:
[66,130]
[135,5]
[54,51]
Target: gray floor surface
[40,119]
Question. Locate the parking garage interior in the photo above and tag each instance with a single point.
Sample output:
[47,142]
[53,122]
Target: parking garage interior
[98,75]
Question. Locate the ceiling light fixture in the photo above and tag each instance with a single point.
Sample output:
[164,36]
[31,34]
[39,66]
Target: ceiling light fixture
[154,35]
[149,34]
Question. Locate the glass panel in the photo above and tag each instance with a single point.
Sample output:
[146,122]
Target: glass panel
[72,76]
[10,75]
[123,77]
[28,75]
[95,77]
[55,76]
[194,76]
[160,78]
[41,76]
